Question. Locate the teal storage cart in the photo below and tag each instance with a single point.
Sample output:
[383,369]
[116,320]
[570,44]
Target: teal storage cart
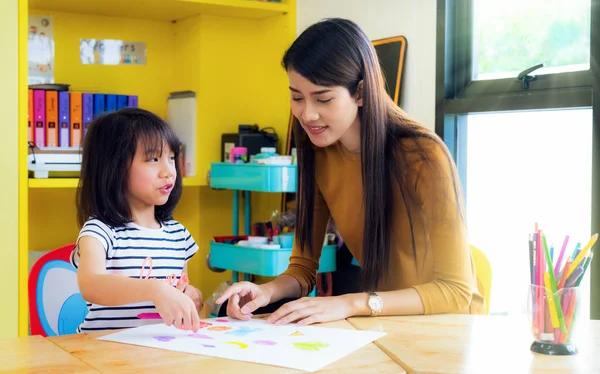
[253,177]
[251,260]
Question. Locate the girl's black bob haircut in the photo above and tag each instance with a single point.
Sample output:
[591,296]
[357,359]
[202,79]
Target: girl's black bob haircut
[109,147]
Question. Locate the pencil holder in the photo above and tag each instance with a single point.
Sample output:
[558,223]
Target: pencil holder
[553,319]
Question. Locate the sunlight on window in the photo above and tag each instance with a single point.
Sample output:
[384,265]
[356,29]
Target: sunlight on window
[513,35]
[522,168]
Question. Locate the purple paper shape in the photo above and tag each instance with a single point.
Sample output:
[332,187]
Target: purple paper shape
[199,336]
[264,342]
[164,338]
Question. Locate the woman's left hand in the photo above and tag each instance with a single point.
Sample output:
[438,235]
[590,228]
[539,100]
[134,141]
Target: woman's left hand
[309,310]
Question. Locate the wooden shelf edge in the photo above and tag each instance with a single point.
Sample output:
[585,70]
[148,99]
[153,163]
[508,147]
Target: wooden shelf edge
[164,10]
[272,6]
[73,182]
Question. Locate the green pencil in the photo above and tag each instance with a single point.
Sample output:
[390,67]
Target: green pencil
[557,305]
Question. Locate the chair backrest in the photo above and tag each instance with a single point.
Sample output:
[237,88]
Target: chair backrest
[484,275]
[55,303]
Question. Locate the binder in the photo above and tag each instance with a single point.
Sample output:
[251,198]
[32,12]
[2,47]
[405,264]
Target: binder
[64,109]
[99,104]
[76,118]
[121,101]
[87,111]
[111,103]
[132,101]
[51,118]
[39,112]
[30,127]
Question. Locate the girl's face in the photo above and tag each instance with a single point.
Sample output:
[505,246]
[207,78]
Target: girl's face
[327,114]
[151,177]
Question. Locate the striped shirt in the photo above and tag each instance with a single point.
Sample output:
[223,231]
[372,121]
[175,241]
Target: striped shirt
[136,252]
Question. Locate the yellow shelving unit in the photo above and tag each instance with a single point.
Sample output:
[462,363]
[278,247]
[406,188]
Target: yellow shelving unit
[227,51]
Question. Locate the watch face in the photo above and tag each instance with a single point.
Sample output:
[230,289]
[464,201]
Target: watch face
[375,303]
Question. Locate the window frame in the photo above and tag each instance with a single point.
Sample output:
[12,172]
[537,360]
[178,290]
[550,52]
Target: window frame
[457,95]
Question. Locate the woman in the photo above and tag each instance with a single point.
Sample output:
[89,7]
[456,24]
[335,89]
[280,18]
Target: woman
[389,183]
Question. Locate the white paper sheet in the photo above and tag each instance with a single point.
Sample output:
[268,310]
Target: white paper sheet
[307,348]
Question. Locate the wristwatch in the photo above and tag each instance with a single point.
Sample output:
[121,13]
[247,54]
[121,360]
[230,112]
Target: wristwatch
[375,303]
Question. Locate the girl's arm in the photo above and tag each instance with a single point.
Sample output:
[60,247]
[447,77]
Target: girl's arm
[98,287]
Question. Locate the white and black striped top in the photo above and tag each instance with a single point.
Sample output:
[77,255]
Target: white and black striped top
[127,251]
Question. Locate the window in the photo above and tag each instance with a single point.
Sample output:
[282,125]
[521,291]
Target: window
[510,36]
[524,142]
[541,175]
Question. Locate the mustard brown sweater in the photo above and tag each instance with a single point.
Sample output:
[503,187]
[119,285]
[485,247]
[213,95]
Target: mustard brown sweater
[443,272]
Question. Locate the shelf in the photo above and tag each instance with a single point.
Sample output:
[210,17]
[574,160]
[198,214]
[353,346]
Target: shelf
[73,182]
[263,262]
[253,177]
[164,10]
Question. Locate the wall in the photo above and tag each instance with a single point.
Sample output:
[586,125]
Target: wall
[9,107]
[415,19]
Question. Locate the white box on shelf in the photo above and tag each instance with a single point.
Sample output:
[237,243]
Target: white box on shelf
[43,161]
[181,115]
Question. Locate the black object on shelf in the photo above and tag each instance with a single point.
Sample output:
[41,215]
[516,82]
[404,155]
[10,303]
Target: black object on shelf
[250,137]
[50,86]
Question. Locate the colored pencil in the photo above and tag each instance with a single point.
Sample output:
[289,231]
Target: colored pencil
[582,254]
[552,282]
[560,256]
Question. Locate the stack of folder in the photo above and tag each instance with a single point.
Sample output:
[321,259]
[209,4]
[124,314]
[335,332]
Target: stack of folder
[61,118]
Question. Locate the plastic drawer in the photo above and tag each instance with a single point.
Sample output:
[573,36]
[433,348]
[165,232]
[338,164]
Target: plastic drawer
[264,262]
[253,177]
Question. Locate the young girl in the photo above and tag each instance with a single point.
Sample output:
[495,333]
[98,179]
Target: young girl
[130,254]
[389,183]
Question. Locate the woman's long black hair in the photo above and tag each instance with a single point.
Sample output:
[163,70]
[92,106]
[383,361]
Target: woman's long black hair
[336,52]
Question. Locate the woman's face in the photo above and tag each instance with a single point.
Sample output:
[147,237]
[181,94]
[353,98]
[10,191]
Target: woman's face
[325,113]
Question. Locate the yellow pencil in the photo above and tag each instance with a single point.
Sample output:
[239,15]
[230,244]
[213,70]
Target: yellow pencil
[551,302]
[582,254]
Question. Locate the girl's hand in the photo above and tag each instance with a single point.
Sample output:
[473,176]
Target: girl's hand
[174,307]
[244,298]
[309,310]
[193,293]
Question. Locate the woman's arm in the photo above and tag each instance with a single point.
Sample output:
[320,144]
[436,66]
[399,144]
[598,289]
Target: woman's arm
[401,302]
[453,282]
[309,310]
[301,275]
[453,279]
[282,287]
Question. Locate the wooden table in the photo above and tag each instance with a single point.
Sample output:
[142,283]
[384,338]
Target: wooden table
[477,344]
[110,357]
[35,354]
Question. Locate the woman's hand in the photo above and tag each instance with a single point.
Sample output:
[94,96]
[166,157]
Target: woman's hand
[309,310]
[244,298]
[174,307]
